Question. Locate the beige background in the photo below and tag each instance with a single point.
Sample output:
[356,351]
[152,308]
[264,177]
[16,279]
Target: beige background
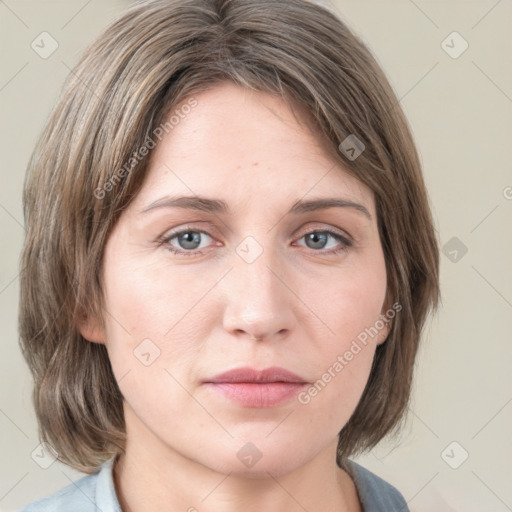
[461,113]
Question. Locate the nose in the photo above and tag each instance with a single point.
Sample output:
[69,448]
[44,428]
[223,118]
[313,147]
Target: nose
[258,299]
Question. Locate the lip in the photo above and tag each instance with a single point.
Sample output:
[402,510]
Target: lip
[251,375]
[257,388]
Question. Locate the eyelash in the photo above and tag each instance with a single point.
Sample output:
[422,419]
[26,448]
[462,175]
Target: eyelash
[165,239]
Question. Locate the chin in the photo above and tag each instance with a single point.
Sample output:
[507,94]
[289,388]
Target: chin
[248,461]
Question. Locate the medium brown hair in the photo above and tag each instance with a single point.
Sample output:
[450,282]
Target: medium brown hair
[126,84]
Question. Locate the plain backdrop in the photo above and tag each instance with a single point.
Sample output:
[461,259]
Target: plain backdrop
[455,452]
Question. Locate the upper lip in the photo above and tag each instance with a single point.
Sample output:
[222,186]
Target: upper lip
[251,375]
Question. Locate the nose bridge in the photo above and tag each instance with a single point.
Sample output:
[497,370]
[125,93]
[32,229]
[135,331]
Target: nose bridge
[255,269]
[257,300]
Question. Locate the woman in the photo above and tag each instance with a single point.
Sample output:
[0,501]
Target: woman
[229,261]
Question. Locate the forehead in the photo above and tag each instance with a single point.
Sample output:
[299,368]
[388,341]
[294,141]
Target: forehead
[246,145]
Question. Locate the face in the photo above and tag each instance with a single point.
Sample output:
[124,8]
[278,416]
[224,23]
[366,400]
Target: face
[248,281]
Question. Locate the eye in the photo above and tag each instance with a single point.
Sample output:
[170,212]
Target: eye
[188,239]
[318,240]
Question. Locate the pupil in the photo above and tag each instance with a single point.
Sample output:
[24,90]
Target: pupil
[315,238]
[189,237]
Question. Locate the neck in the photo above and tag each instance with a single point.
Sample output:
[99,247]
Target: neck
[150,477]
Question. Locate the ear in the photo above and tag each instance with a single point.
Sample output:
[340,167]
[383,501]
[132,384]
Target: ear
[91,328]
[387,322]
[384,332]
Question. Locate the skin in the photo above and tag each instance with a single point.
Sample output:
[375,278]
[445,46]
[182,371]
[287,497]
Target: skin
[204,311]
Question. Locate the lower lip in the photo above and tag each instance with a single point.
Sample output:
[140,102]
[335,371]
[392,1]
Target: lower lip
[257,395]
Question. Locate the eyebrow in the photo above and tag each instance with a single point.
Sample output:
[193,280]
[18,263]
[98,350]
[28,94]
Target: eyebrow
[205,204]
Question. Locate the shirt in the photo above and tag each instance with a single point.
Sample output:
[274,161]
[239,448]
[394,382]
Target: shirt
[96,493]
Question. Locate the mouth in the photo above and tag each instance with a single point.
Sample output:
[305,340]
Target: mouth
[249,387]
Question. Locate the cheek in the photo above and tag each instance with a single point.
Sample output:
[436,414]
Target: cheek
[152,300]
[349,305]
[142,300]
[156,326]
[348,301]
[150,341]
